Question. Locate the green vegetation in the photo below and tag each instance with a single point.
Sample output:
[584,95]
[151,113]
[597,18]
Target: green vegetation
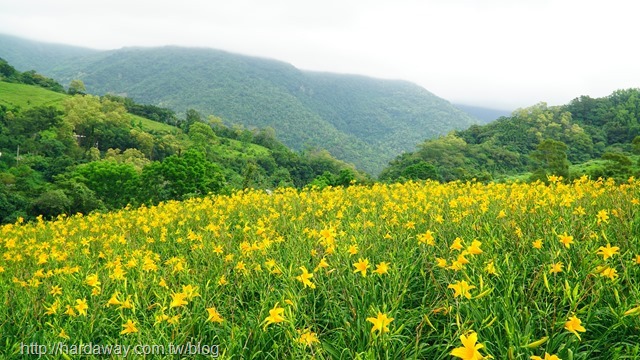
[361,120]
[24,96]
[420,270]
[391,271]
[543,140]
[9,74]
[62,154]
[27,54]
[150,125]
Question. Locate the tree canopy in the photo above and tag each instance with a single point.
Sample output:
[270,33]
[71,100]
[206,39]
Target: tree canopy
[540,139]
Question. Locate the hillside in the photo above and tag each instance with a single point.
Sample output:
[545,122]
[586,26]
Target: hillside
[540,139]
[27,96]
[63,154]
[34,55]
[23,96]
[361,120]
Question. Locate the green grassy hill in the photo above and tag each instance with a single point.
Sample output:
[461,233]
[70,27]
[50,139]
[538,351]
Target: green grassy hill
[361,120]
[28,96]
[25,96]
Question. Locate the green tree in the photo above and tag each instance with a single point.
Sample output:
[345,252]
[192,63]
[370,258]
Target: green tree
[51,203]
[76,87]
[114,183]
[551,158]
[202,137]
[266,137]
[12,204]
[421,171]
[32,78]
[145,142]
[635,145]
[82,199]
[281,178]
[7,72]
[100,123]
[179,177]
[29,122]
[192,117]
[346,177]
[618,166]
[322,181]
[252,176]
[618,158]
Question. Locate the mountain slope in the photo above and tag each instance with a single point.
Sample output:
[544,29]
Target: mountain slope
[34,55]
[63,154]
[602,134]
[24,96]
[358,119]
[387,114]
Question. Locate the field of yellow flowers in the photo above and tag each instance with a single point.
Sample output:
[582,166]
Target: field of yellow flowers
[415,270]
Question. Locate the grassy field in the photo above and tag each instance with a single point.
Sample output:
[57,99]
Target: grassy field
[153,126]
[416,270]
[26,96]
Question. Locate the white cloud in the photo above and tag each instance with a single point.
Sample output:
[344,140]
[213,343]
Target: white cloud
[504,53]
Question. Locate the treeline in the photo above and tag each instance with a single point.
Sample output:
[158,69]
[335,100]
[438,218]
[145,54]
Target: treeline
[150,112]
[602,134]
[9,74]
[90,153]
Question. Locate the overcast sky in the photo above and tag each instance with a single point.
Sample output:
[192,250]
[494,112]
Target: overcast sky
[495,53]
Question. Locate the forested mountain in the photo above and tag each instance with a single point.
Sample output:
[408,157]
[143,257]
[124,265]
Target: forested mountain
[33,55]
[601,134]
[361,120]
[62,154]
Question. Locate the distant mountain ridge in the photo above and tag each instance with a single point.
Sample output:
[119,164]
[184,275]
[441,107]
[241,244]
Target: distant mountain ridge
[484,114]
[33,55]
[361,120]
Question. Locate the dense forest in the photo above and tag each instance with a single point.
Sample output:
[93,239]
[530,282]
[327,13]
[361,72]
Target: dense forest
[599,137]
[361,120]
[64,151]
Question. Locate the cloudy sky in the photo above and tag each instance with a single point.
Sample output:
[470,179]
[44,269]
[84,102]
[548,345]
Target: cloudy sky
[496,53]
